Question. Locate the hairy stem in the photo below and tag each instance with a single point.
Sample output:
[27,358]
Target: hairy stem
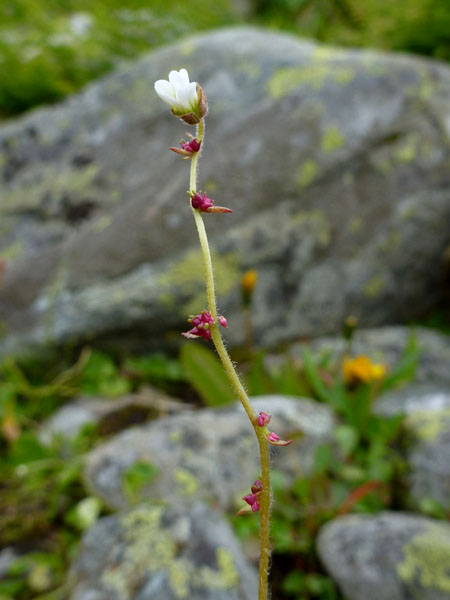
[237,385]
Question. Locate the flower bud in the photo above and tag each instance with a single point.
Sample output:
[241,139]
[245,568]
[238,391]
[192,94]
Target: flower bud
[186,99]
[263,419]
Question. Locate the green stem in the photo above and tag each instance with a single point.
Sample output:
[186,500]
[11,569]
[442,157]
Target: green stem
[264,510]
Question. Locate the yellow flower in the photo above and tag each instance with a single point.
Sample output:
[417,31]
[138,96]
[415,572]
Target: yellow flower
[362,370]
[249,281]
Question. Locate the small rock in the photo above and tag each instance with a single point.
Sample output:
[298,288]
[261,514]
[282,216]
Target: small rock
[207,454]
[162,553]
[110,416]
[390,556]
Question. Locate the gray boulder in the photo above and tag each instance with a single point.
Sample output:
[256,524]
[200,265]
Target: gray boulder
[335,163]
[162,553]
[208,455]
[390,556]
[426,439]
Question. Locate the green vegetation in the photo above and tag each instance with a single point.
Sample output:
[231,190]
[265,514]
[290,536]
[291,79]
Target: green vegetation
[44,506]
[52,48]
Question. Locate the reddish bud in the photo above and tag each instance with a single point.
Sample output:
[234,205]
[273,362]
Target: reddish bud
[223,321]
[263,419]
[275,440]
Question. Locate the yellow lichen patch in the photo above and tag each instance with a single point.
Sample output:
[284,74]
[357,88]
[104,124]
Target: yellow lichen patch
[175,436]
[287,79]
[188,275]
[250,69]
[355,224]
[149,548]
[179,577]
[226,577]
[307,173]
[332,140]
[406,152]
[426,560]
[317,223]
[392,242]
[13,251]
[52,182]
[102,223]
[187,482]
[187,48]
[428,425]
[374,286]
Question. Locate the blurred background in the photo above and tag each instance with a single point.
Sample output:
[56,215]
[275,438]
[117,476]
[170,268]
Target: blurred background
[116,434]
[51,49]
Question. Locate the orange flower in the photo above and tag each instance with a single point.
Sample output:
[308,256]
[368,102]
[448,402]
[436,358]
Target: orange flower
[362,370]
[249,281]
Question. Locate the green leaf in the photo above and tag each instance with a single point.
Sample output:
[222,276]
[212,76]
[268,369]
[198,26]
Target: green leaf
[406,367]
[27,449]
[294,583]
[347,438]
[206,375]
[322,458]
[259,381]
[323,393]
[101,377]
[156,367]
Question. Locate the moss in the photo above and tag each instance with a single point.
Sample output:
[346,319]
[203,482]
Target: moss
[374,287]
[307,173]
[187,274]
[429,425]
[332,140]
[427,559]
[286,79]
[187,483]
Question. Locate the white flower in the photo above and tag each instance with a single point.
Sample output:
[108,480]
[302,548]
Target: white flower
[178,93]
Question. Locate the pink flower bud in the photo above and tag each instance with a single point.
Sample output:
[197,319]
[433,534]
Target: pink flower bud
[201,325]
[255,506]
[256,487]
[263,419]
[275,440]
[250,499]
[223,321]
[204,204]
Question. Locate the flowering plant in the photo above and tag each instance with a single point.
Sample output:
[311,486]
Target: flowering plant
[188,102]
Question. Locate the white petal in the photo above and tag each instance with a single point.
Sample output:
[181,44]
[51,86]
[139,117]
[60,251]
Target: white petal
[164,88]
[179,79]
[188,96]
